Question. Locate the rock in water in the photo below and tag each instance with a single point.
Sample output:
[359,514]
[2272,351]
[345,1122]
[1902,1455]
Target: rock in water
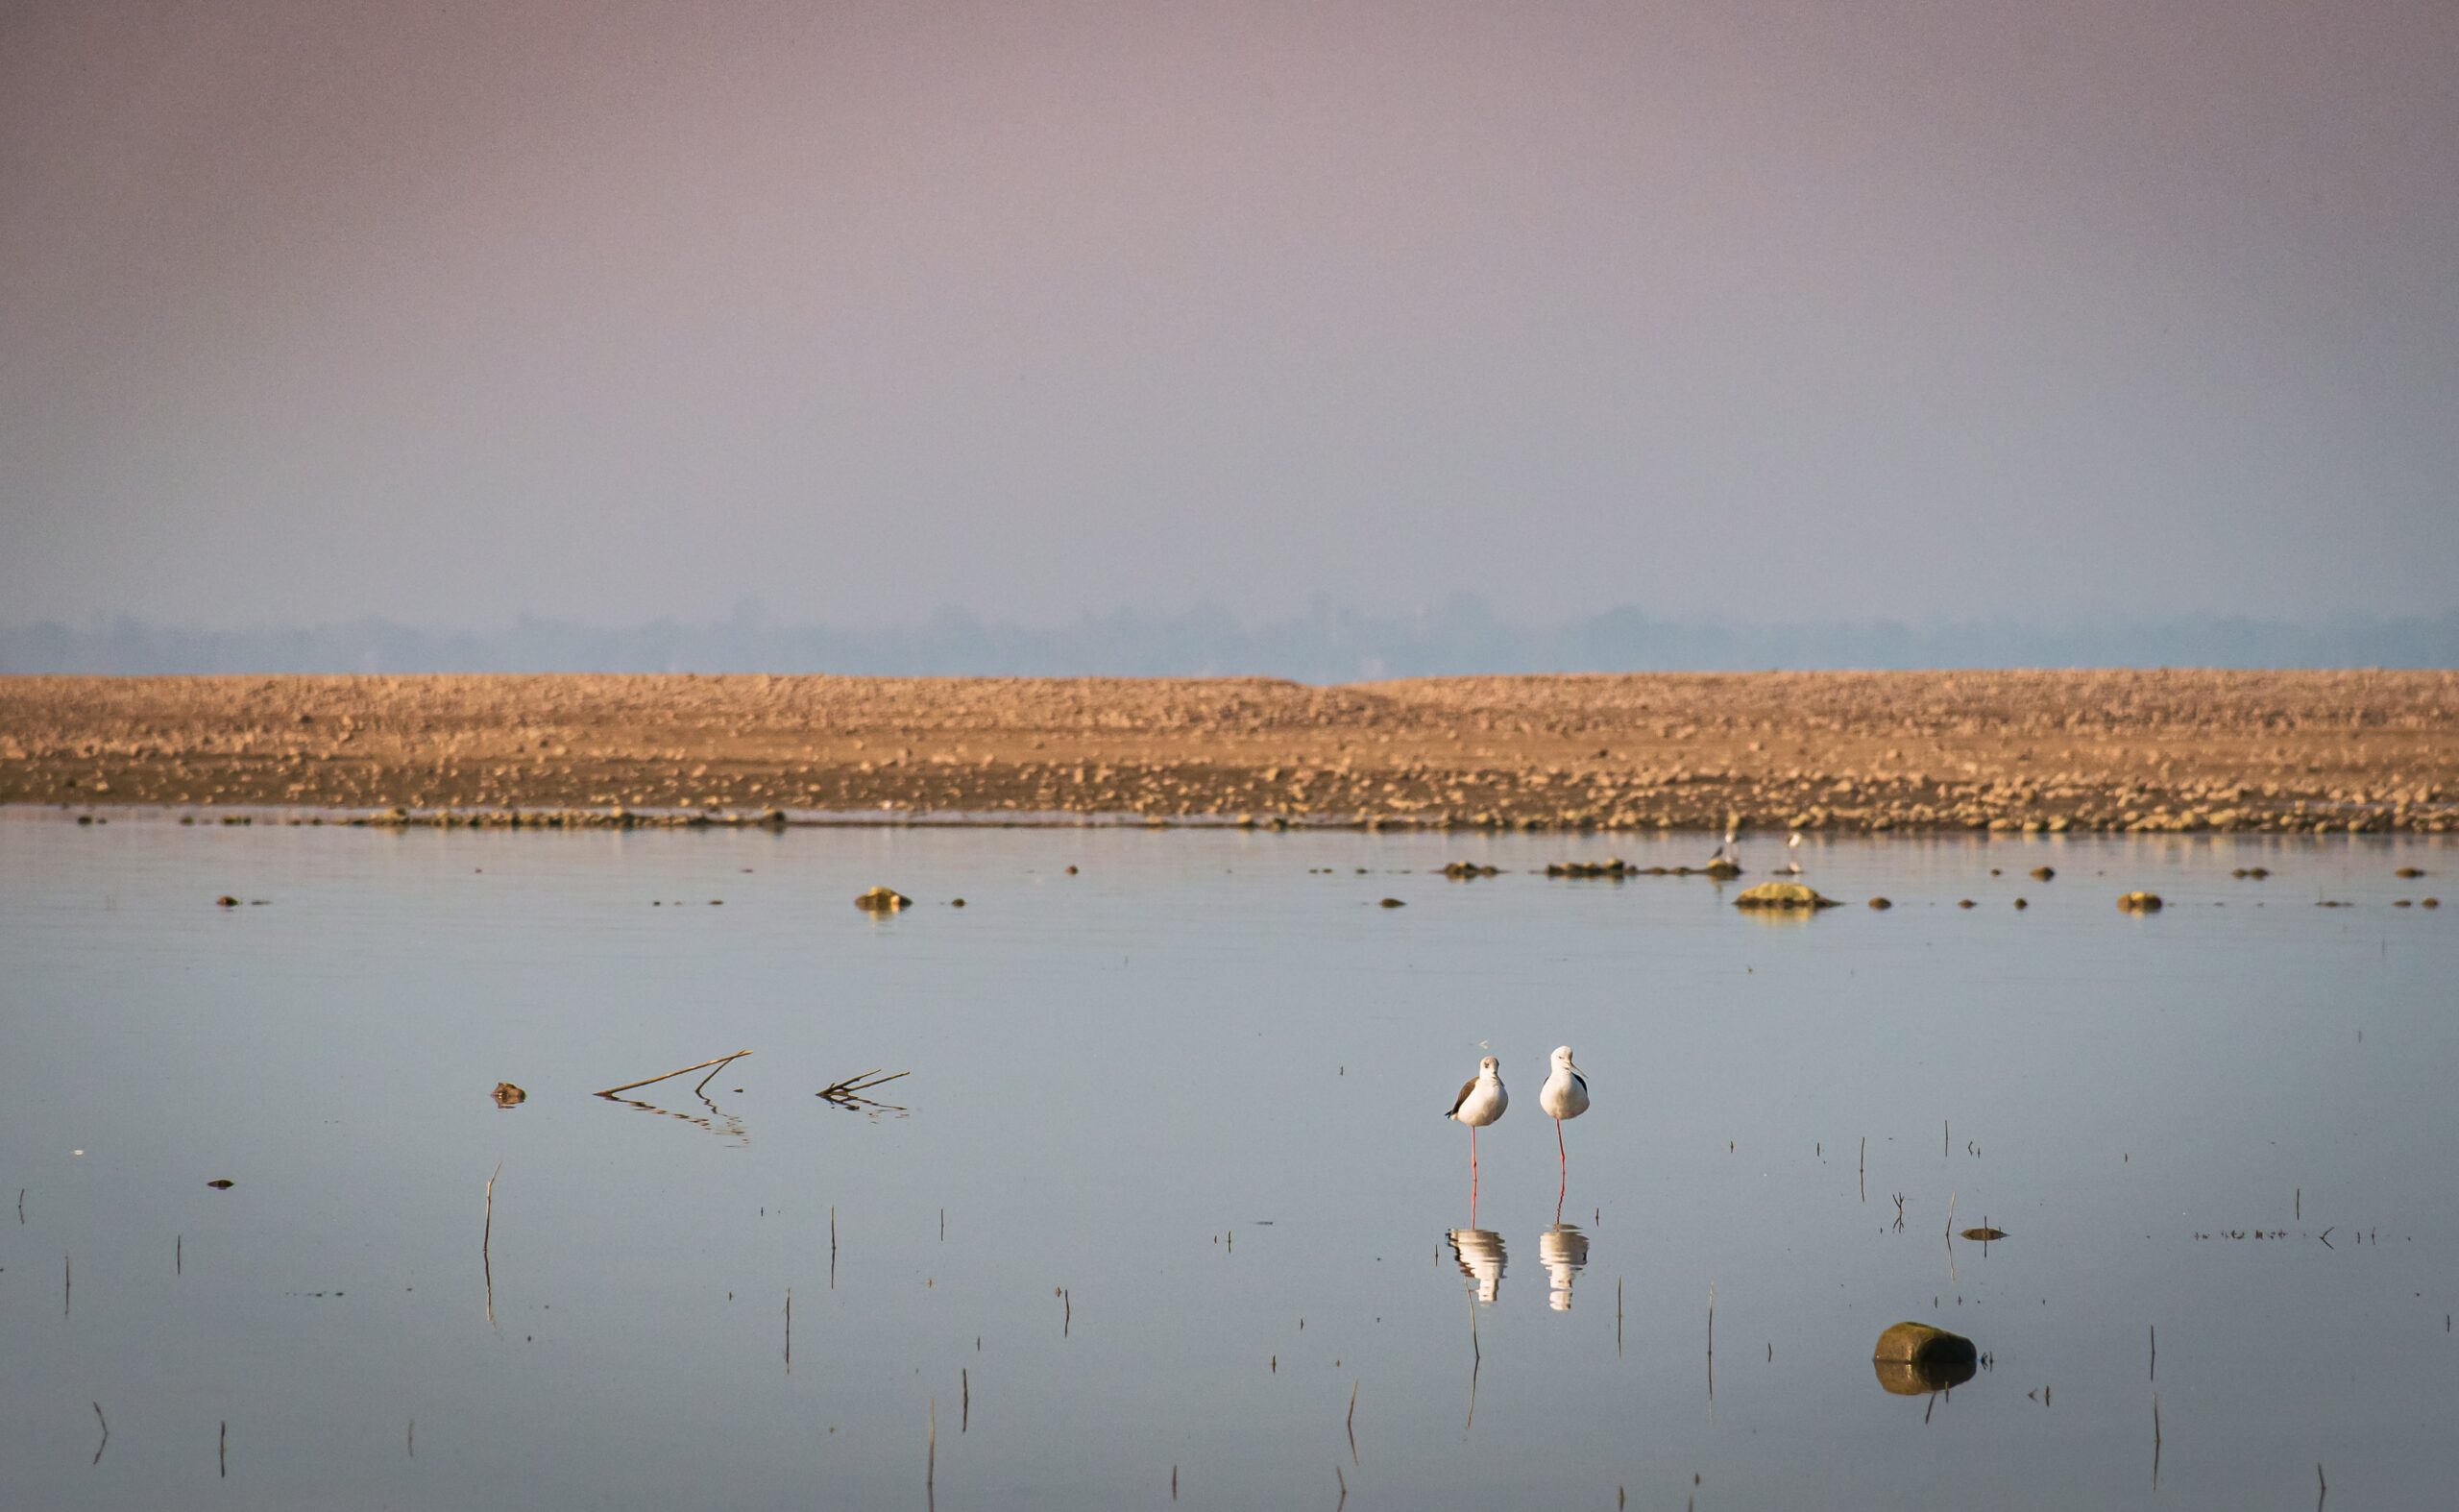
[1782,895]
[1913,1359]
[1881,903]
[1613,867]
[1919,1341]
[507,1095]
[2140,902]
[2043,873]
[881,900]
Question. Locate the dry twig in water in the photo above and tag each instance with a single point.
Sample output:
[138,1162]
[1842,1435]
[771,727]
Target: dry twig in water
[486,1239]
[713,1064]
[849,1093]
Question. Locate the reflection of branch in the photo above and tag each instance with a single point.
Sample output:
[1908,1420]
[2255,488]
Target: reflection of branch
[733,1125]
[663,1076]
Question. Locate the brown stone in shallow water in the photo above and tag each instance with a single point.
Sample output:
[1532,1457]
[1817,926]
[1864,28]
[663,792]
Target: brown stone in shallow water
[507,1095]
[1782,895]
[1919,1341]
[1613,867]
[1912,1359]
[1881,903]
[1910,1378]
[2140,902]
[881,900]
[2043,873]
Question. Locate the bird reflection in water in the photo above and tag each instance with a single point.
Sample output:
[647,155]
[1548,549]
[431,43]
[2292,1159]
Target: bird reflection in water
[1479,1253]
[1563,1250]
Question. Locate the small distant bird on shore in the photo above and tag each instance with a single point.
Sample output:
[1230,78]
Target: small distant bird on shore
[1481,1101]
[1792,866]
[1565,1095]
[1726,850]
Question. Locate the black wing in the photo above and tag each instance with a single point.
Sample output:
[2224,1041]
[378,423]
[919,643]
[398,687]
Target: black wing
[1466,1087]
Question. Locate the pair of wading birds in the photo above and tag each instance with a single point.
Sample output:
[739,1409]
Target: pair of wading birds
[1482,1100]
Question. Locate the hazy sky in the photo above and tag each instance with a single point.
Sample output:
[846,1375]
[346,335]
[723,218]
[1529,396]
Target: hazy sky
[449,312]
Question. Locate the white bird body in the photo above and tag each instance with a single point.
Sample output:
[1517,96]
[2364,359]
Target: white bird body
[1565,1094]
[1481,1101]
[1482,1098]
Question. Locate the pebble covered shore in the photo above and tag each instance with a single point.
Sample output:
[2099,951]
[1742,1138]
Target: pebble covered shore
[2028,751]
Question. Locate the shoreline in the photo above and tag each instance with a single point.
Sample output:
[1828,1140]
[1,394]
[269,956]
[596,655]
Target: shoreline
[2277,752]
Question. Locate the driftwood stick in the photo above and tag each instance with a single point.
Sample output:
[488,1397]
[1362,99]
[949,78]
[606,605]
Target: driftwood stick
[712,1073]
[486,1239]
[677,1071]
[863,1083]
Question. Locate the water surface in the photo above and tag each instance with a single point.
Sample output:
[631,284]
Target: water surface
[1169,1181]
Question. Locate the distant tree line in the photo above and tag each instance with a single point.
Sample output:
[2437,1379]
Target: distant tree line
[1327,644]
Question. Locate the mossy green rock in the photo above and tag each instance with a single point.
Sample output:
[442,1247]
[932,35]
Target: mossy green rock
[1782,895]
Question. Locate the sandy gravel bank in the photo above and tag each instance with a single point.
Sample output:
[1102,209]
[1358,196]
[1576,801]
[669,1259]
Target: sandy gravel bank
[2168,750]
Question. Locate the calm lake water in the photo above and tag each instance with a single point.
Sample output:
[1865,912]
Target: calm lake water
[1169,1187]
